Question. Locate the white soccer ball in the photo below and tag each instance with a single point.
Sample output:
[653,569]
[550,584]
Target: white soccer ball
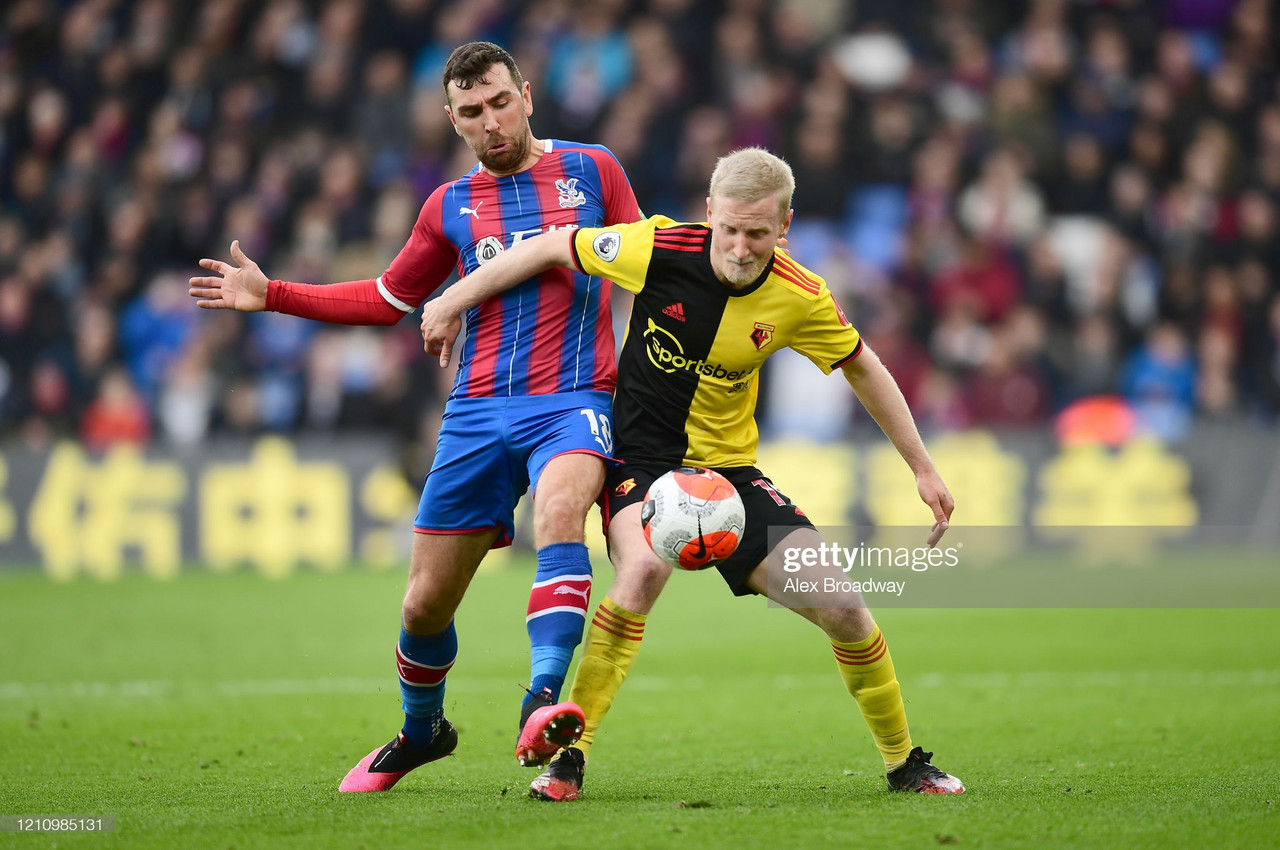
[693,518]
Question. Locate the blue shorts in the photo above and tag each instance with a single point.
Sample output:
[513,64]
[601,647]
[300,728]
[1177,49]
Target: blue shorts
[491,449]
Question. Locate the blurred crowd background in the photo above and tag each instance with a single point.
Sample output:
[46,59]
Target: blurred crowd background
[1021,205]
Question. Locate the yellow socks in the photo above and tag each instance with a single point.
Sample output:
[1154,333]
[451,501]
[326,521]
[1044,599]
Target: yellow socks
[867,670]
[613,640]
[611,646]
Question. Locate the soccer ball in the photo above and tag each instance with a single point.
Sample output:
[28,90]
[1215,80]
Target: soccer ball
[692,518]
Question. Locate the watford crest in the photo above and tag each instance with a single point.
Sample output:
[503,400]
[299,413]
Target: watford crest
[762,335]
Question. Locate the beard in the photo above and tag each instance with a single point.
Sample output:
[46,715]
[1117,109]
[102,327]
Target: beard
[508,161]
[740,276]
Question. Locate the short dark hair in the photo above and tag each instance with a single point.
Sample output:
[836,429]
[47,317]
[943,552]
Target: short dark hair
[470,63]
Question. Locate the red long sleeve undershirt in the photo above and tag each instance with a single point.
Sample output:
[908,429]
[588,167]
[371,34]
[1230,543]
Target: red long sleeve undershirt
[353,302]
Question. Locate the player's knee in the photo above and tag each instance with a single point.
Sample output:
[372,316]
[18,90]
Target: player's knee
[638,583]
[651,574]
[558,518]
[424,616]
[846,625]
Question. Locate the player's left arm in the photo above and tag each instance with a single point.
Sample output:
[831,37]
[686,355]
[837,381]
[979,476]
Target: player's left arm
[883,399]
[442,318]
[831,342]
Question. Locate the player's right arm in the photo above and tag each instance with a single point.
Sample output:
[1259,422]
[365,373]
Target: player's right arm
[422,265]
[442,318]
[597,251]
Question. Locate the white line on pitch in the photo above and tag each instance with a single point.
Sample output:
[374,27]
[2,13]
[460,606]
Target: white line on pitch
[499,685]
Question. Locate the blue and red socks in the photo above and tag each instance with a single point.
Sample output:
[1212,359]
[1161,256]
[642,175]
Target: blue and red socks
[557,614]
[423,661]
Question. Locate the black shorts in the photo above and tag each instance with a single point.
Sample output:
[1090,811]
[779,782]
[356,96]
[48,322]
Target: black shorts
[766,507]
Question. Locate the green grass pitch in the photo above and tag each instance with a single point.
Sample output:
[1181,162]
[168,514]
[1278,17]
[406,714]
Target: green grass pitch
[221,711]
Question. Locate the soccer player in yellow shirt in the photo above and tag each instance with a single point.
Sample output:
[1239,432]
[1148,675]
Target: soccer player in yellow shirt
[713,301]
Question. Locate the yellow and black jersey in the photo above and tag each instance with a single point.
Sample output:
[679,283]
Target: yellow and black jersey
[689,371]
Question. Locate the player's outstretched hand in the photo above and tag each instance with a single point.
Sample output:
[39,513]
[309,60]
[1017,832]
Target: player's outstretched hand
[241,287]
[936,495]
[440,328]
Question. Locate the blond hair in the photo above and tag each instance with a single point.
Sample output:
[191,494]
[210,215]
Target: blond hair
[750,174]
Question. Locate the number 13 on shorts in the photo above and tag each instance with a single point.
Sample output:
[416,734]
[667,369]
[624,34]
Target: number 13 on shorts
[601,429]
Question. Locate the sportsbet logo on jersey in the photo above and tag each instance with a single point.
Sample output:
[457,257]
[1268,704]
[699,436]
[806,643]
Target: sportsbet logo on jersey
[666,352]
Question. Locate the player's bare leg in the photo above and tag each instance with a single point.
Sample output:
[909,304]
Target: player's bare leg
[613,640]
[567,487]
[639,575]
[440,570]
[866,667]
[851,621]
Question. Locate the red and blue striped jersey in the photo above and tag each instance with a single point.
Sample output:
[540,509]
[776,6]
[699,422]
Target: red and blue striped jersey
[549,334]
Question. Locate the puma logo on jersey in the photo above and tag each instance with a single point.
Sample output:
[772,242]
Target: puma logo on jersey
[468,211]
[564,589]
[675,311]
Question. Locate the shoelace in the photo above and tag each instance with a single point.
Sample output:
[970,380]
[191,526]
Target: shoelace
[544,694]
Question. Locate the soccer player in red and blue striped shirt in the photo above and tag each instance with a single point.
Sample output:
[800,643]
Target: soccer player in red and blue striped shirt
[530,406]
